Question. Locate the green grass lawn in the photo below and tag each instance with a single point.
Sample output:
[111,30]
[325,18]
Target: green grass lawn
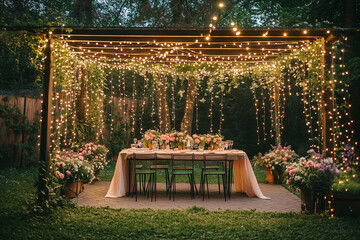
[18,221]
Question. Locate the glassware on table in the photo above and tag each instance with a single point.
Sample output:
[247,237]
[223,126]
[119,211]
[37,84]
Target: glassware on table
[231,143]
[201,147]
[135,140]
[134,145]
[140,144]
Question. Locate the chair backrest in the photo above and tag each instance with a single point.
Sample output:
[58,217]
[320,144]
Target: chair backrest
[183,157]
[183,160]
[214,159]
[144,156]
[145,159]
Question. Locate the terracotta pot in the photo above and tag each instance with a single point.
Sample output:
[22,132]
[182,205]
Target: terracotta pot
[73,189]
[346,204]
[269,175]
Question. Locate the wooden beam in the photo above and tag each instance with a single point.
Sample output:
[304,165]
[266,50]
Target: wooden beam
[44,158]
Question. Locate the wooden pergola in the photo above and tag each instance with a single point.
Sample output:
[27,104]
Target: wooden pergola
[182,45]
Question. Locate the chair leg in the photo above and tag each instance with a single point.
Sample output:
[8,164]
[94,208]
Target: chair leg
[224,186]
[135,185]
[201,180]
[202,185]
[218,182]
[174,187]
[207,185]
[155,185]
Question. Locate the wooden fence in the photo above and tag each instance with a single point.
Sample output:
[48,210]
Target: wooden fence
[13,140]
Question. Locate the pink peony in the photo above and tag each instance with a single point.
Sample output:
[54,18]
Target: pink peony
[80,149]
[219,139]
[285,148]
[68,172]
[96,157]
[57,173]
[58,164]
[262,157]
[284,159]
[287,181]
[317,166]
[288,169]
[61,175]
[89,152]
[202,138]
[81,157]
[62,164]
[310,163]
[197,141]
[208,140]
[293,171]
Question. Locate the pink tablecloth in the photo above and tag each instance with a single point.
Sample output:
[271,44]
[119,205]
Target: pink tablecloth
[244,177]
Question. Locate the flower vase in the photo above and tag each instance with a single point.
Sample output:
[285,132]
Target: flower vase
[216,147]
[210,147]
[180,147]
[150,146]
[73,189]
[164,146]
[269,175]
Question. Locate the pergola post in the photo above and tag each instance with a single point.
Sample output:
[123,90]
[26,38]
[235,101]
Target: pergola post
[276,113]
[44,159]
[328,100]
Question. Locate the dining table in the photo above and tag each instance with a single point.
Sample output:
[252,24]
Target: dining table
[244,180]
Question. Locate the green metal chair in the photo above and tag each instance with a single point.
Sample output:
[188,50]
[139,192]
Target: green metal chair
[214,165]
[182,165]
[146,175]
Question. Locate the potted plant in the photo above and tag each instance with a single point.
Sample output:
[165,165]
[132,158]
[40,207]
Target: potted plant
[275,162]
[314,176]
[346,188]
[95,155]
[72,171]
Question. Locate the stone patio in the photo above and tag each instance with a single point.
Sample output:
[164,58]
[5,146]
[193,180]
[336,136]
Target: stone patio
[281,199]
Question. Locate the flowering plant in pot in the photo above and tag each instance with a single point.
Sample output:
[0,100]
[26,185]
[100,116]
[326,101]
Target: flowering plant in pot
[346,188]
[314,176]
[275,162]
[95,155]
[72,171]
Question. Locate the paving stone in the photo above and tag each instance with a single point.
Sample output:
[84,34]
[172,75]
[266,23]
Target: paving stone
[281,199]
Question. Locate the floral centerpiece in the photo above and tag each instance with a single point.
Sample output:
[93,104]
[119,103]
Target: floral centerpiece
[96,155]
[149,136]
[275,162]
[199,140]
[314,176]
[165,140]
[177,139]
